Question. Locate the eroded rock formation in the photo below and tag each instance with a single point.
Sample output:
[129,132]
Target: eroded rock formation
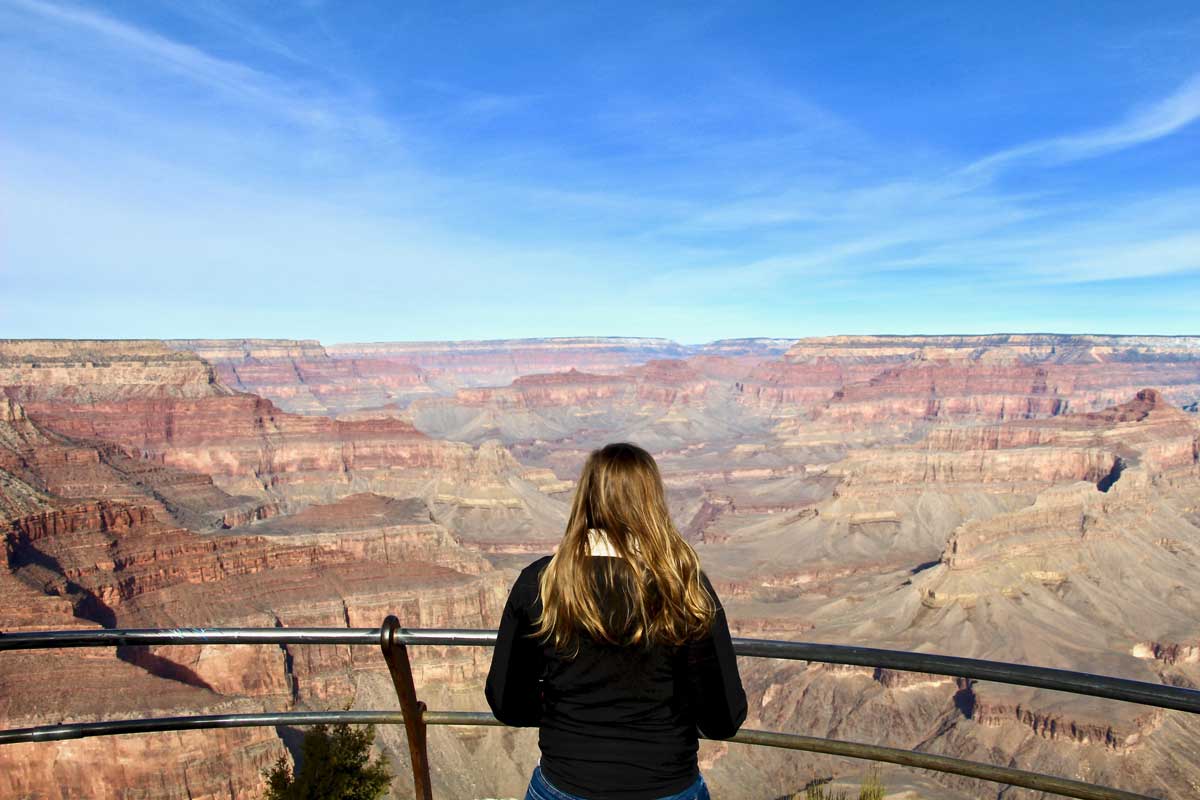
[1021,498]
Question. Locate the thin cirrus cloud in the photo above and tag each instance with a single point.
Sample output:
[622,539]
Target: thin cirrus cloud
[230,79]
[959,211]
[1162,118]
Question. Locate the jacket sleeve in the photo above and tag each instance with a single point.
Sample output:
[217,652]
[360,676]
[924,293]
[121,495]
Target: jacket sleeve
[513,689]
[717,696]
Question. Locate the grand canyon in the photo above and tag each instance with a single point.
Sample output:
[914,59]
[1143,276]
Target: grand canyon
[1032,498]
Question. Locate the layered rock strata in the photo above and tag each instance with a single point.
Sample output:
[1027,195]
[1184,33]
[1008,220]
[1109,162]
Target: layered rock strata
[302,377]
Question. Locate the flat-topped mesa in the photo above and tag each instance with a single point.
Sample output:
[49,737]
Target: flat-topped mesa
[1001,347]
[659,381]
[571,387]
[84,371]
[249,349]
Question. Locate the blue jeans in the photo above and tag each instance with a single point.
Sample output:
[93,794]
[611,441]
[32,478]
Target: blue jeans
[540,789]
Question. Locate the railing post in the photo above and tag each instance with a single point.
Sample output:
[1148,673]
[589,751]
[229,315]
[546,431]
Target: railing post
[396,655]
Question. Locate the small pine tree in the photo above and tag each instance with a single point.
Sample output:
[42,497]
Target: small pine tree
[335,765]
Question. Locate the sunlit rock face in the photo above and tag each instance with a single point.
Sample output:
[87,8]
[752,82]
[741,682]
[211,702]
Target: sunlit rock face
[79,371]
[1021,498]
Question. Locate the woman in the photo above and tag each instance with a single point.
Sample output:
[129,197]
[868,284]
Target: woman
[617,647]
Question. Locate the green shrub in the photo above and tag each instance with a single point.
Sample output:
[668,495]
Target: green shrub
[334,765]
[872,789]
[818,791]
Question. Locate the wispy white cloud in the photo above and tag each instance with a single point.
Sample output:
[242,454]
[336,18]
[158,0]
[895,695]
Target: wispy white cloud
[1162,118]
[235,81]
[1143,237]
[956,219]
[232,21]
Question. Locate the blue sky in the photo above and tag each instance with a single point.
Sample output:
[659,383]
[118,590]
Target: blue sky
[354,171]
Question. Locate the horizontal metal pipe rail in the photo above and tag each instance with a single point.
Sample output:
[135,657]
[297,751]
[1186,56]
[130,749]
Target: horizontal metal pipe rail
[790,741]
[909,758]
[394,639]
[1141,692]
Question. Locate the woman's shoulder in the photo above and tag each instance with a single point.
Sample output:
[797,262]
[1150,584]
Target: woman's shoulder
[533,572]
[527,586]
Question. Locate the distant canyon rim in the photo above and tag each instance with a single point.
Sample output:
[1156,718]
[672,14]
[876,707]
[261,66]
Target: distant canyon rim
[1020,497]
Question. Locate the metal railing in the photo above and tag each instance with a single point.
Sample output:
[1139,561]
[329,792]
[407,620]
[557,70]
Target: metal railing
[393,640]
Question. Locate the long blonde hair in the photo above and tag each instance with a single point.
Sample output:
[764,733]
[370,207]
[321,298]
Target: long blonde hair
[621,493]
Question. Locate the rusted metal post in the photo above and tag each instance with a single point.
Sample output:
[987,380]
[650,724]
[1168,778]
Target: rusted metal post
[396,655]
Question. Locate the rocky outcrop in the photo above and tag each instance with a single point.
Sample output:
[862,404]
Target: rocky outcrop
[1002,468]
[1058,726]
[1167,652]
[374,528]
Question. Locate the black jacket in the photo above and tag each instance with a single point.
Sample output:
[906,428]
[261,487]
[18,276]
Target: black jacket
[615,722]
